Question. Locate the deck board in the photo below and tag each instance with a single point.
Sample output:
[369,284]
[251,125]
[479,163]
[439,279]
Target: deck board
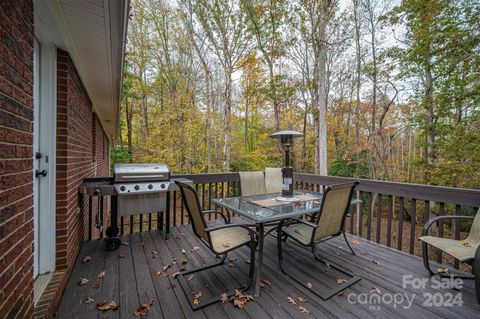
[133,279]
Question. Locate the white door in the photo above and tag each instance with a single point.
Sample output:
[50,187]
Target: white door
[44,133]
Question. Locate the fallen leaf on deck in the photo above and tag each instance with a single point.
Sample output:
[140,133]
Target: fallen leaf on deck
[95,285]
[302,299]
[178,237]
[184,261]
[291,300]
[190,277]
[121,255]
[266,282]
[231,265]
[196,301]
[196,294]
[309,285]
[105,305]
[143,309]
[195,248]
[83,281]
[240,300]
[340,293]
[303,310]
[88,300]
[356,242]
[175,274]
[101,274]
[174,261]
[341,281]
[158,273]
[442,270]
[86,259]
[376,290]
[184,251]
[171,286]
[376,262]
[223,298]
[165,267]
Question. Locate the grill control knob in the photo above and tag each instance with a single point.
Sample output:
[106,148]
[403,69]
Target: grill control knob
[123,188]
[150,186]
[137,187]
[162,185]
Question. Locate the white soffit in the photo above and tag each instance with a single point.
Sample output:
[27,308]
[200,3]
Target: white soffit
[94,33]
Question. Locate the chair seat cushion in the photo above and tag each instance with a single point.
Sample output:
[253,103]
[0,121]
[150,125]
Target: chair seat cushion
[300,232]
[227,238]
[455,248]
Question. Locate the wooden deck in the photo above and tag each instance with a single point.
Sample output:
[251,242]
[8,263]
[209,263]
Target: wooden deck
[132,277]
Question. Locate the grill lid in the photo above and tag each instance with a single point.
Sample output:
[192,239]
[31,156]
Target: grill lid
[140,172]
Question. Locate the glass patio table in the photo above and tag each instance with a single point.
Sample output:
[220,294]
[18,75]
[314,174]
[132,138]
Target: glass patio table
[266,209]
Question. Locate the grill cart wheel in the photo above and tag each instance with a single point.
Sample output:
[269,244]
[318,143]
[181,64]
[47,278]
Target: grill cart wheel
[113,243]
[112,231]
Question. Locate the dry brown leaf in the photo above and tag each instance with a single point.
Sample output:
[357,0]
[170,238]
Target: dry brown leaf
[158,273]
[223,298]
[178,237]
[376,290]
[105,305]
[143,309]
[240,300]
[195,248]
[309,285]
[121,255]
[83,281]
[89,300]
[442,270]
[101,274]
[175,274]
[266,282]
[291,300]
[341,281]
[196,294]
[376,262]
[196,301]
[302,299]
[171,286]
[86,259]
[184,261]
[340,293]
[356,242]
[466,243]
[184,251]
[303,310]
[165,267]
[95,285]
[190,277]
[238,303]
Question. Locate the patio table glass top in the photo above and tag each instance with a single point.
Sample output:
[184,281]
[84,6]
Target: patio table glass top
[245,206]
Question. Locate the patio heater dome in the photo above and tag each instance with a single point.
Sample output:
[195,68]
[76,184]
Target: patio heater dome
[286,140]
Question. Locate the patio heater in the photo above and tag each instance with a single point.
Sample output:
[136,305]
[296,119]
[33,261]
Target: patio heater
[286,140]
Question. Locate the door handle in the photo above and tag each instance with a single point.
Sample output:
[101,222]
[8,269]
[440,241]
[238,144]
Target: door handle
[40,173]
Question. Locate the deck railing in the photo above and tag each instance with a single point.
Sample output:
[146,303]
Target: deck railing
[391,213]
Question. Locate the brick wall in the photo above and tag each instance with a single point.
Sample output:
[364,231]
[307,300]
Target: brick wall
[82,151]
[16,116]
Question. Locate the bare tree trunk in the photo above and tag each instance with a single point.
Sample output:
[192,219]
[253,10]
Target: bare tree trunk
[358,83]
[227,113]
[430,136]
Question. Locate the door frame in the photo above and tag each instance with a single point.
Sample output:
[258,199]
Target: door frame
[45,193]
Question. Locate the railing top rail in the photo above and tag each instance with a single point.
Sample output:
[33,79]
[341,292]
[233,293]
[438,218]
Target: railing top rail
[457,196]
[210,177]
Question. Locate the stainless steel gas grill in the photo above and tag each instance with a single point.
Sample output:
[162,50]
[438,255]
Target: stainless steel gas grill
[134,189]
[141,187]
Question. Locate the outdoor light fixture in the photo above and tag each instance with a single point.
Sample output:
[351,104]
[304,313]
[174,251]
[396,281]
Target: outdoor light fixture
[286,140]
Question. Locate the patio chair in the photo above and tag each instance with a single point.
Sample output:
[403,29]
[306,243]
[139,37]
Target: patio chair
[326,224]
[273,180]
[466,251]
[220,239]
[252,183]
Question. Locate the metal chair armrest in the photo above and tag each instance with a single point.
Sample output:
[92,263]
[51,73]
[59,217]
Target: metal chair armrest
[213,211]
[213,228]
[433,220]
[288,221]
